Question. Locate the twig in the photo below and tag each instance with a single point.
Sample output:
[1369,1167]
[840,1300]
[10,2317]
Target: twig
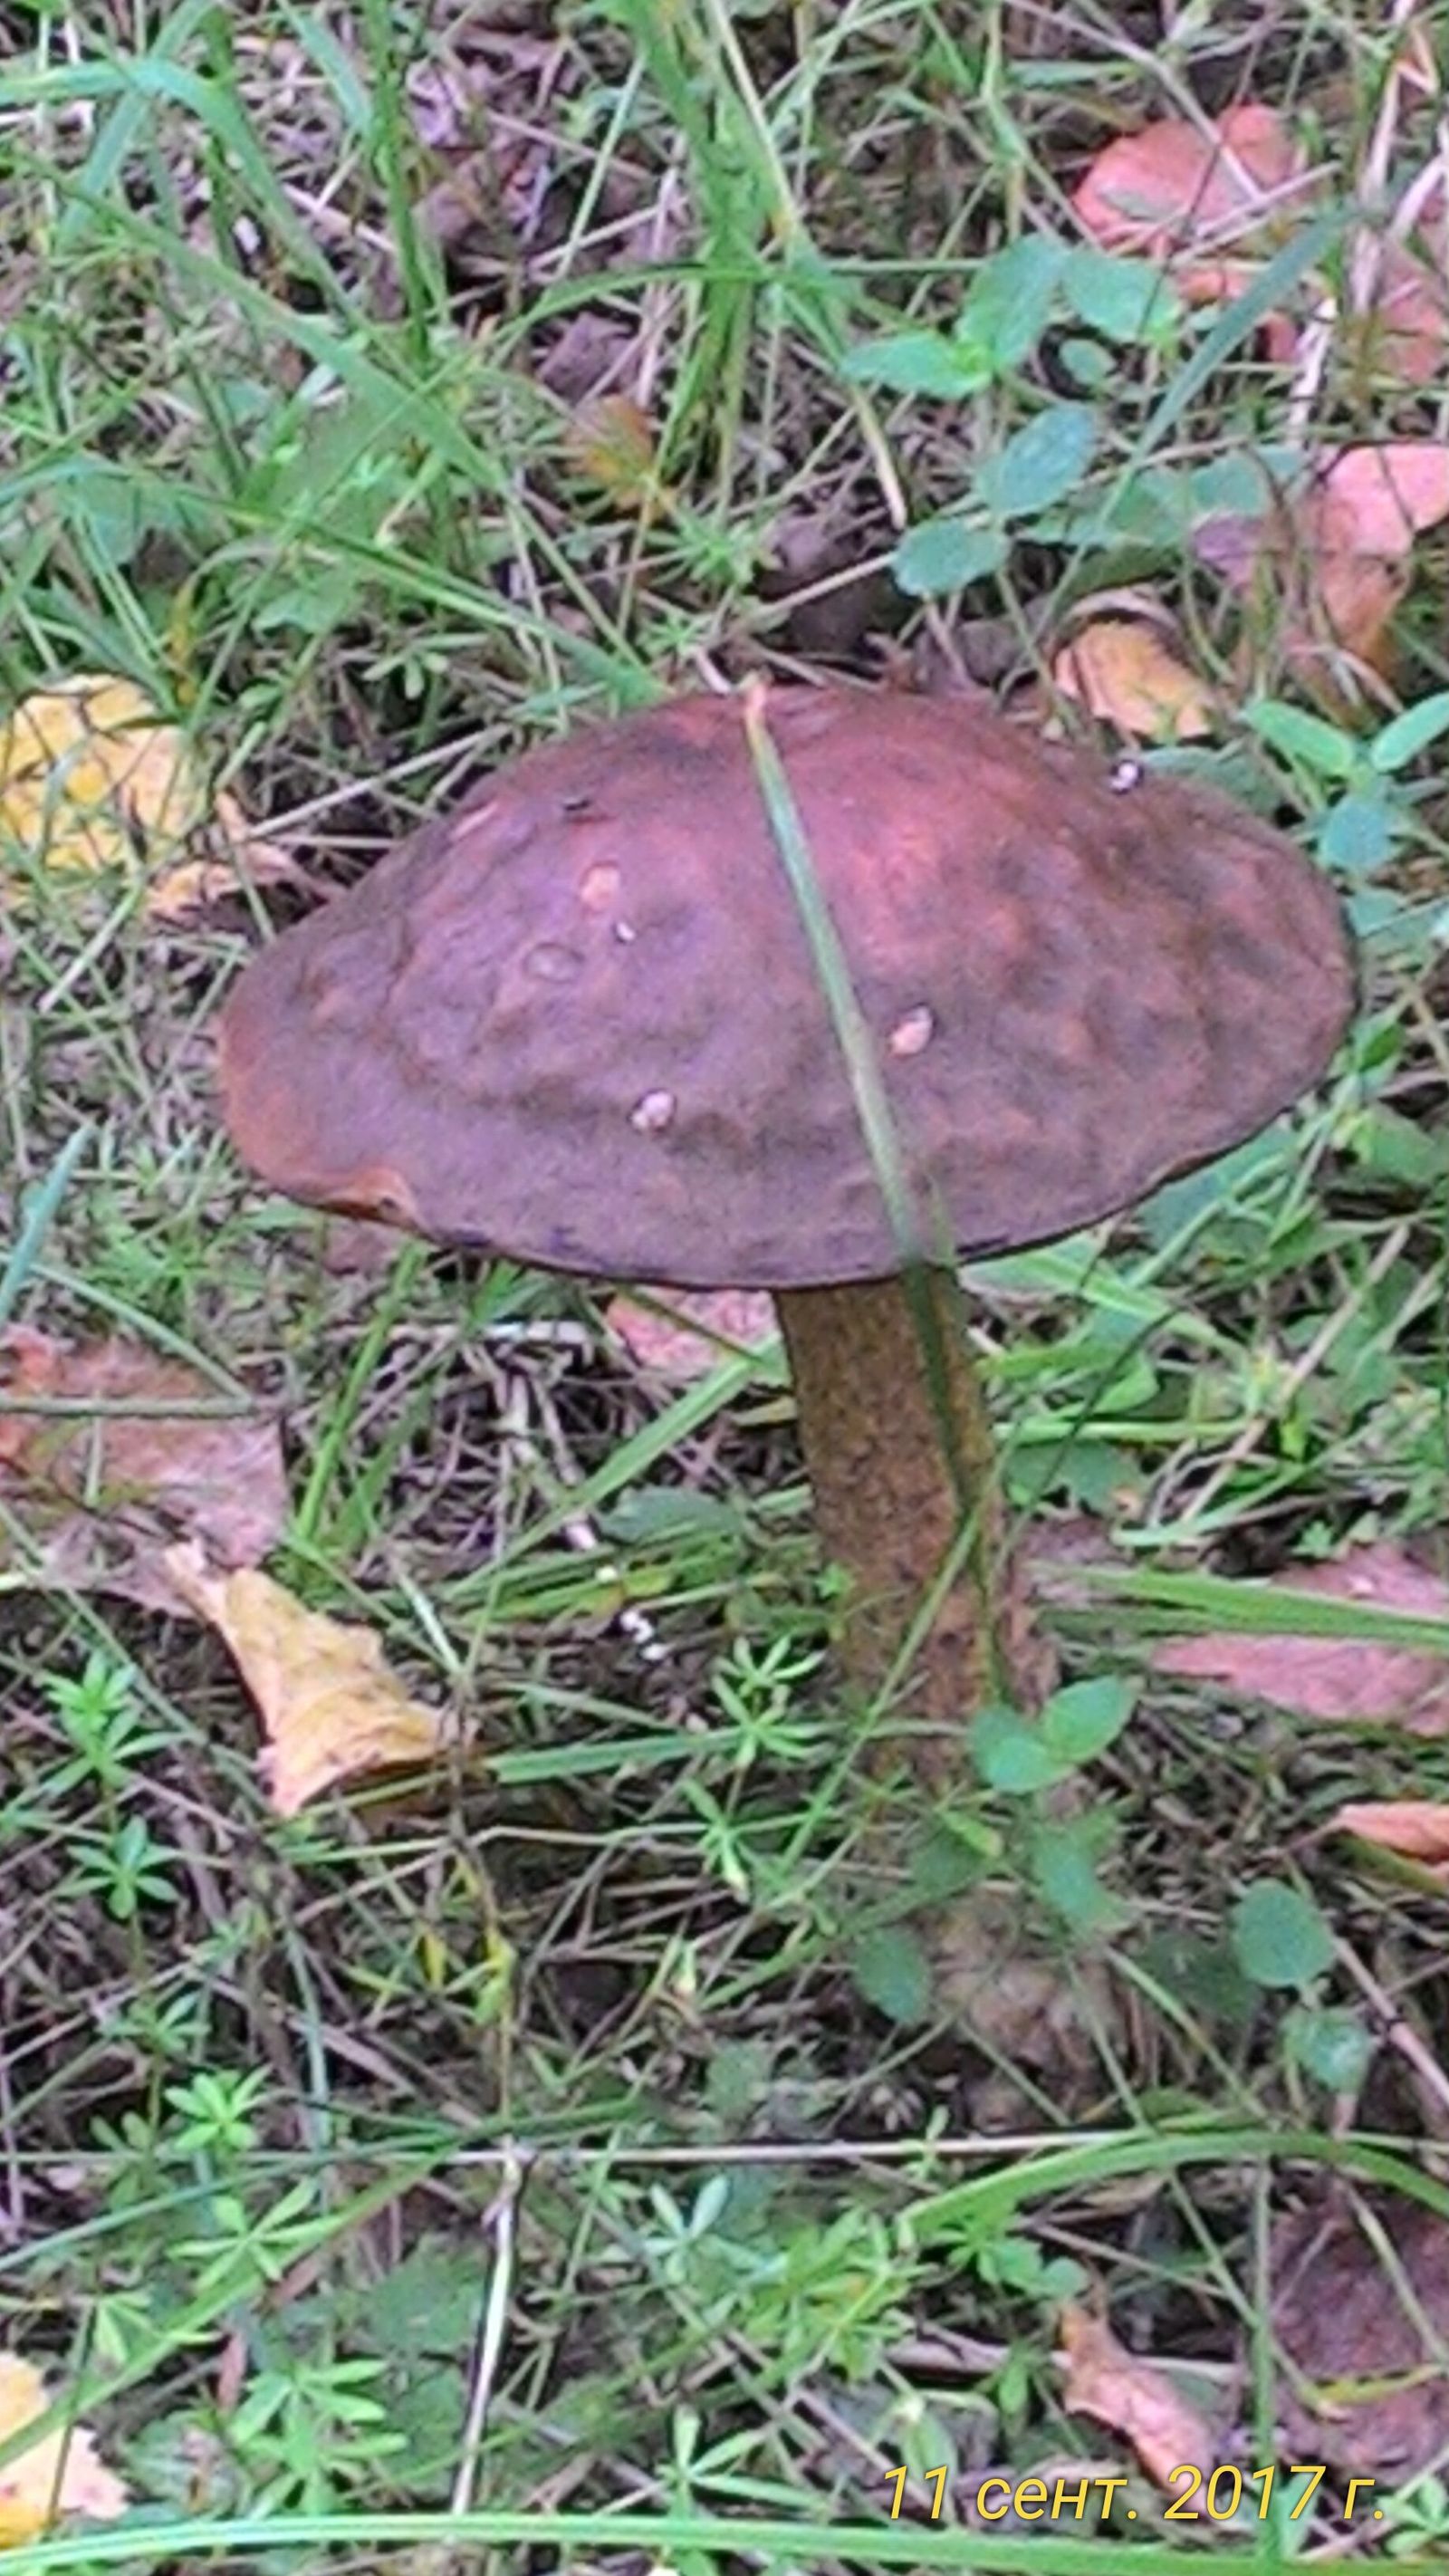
[500,2223]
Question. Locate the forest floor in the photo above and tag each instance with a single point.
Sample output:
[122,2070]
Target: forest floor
[553,2137]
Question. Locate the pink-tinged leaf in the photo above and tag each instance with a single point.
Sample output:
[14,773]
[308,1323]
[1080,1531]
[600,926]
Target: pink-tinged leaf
[1415,1828]
[1383,497]
[1404,326]
[1334,556]
[101,1496]
[59,2474]
[1175,185]
[1354,1680]
[691,1330]
[1360,2313]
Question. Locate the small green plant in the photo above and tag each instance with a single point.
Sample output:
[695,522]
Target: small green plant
[1018,1758]
[103,1722]
[126,1865]
[1365,804]
[310,2435]
[1014,296]
[1417,2517]
[757,1687]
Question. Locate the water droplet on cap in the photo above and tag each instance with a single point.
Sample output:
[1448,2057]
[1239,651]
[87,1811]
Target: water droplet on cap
[653,1113]
[913,1032]
[552,963]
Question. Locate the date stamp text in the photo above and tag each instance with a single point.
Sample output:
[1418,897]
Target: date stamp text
[1221,2494]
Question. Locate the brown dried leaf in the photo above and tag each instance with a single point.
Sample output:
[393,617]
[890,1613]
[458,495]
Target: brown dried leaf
[240,858]
[330,1706]
[1370,2391]
[1123,673]
[61,2473]
[104,1497]
[590,347]
[1415,1828]
[1352,611]
[1353,1680]
[1023,2010]
[745,1316]
[1175,187]
[358,1247]
[1135,2397]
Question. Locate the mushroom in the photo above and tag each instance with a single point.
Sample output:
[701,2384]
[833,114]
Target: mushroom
[580,1020]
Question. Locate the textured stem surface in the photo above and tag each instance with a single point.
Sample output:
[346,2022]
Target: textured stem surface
[899,1447]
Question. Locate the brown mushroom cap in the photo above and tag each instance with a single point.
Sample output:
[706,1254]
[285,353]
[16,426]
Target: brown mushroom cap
[580,1020]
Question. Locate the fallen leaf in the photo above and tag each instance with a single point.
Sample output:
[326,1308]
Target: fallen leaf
[589,348]
[358,1246]
[1211,198]
[1353,1680]
[1350,609]
[1332,558]
[93,779]
[1225,184]
[1415,1828]
[88,769]
[1369,2386]
[1123,673]
[60,2473]
[1402,327]
[1376,500]
[610,444]
[1136,2398]
[1022,2010]
[330,1706]
[666,1342]
[190,886]
[102,1496]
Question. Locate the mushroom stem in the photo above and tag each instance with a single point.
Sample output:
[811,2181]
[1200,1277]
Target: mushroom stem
[900,1452]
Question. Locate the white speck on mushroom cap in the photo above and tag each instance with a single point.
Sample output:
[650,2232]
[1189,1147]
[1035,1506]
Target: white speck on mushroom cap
[653,1113]
[914,1031]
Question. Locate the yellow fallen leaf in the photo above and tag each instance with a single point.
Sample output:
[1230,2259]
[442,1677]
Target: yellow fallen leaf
[1121,671]
[92,778]
[60,2473]
[1134,2397]
[89,774]
[328,1703]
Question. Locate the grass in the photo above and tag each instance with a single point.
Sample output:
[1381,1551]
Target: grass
[552,2168]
